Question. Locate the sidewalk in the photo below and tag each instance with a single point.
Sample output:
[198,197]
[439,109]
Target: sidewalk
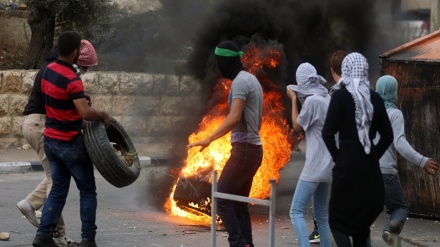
[25,160]
[19,160]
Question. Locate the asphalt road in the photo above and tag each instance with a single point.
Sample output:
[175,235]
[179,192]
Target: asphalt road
[129,216]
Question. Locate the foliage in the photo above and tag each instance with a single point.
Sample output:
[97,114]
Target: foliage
[92,18]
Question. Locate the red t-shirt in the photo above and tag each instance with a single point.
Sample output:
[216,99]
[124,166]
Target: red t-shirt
[60,86]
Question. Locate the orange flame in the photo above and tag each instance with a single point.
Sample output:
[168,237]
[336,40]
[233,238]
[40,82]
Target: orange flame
[275,134]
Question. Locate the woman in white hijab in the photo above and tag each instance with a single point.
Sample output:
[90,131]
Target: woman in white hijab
[315,178]
[357,192]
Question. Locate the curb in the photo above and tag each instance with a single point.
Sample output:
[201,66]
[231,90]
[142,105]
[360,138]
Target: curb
[29,166]
[15,167]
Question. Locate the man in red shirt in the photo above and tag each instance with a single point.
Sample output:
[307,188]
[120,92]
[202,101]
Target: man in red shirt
[33,128]
[66,108]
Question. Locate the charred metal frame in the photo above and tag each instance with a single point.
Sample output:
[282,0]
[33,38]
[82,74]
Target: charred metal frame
[270,203]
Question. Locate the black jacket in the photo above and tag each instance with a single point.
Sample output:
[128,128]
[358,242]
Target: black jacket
[35,104]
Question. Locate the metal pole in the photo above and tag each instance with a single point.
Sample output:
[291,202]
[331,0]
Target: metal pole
[271,203]
[213,209]
[272,213]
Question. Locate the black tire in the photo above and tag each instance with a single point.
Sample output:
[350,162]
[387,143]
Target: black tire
[97,140]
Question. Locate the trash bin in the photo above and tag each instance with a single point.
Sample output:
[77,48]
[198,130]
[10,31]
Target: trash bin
[416,66]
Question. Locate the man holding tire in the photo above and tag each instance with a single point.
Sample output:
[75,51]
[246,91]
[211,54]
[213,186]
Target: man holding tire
[66,108]
[33,126]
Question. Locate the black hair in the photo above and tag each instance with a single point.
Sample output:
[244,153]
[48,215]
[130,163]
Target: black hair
[68,42]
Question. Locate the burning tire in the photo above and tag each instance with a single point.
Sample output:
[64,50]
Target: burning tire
[112,152]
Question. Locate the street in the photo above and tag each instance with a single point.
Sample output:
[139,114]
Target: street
[127,216]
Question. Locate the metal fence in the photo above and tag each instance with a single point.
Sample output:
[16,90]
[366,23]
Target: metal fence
[270,203]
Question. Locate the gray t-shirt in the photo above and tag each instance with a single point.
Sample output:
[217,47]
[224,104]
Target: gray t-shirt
[319,164]
[388,162]
[247,87]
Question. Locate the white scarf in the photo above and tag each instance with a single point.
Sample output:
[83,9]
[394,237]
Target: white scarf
[355,79]
[309,82]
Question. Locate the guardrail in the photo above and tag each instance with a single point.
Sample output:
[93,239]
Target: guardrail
[270,203]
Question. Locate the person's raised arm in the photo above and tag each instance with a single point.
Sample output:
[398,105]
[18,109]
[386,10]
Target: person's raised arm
[292,96]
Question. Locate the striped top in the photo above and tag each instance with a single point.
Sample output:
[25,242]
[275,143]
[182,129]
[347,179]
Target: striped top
[60,86]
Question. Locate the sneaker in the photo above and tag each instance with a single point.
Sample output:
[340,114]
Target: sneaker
[28,211]
[87,243]
[40,241]
[64,241]
[386,236]
[314,237]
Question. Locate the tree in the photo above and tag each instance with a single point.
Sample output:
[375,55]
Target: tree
[48,18]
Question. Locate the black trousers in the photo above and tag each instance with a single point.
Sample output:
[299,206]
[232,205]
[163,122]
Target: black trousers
[236,178]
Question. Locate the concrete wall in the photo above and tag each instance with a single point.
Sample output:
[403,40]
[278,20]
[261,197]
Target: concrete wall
[15,33]
[152,108]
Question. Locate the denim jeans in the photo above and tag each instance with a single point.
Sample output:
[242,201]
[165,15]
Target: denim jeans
[236,178]
[69,159]
[394,200]
[318,192]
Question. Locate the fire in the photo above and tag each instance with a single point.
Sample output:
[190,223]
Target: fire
[275,134]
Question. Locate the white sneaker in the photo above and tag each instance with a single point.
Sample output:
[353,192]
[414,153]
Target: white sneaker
[28,211]
[64,241]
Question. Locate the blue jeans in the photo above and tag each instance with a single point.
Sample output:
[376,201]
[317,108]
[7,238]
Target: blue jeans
[318,192]
[66,160]
[394,201]
[236,178]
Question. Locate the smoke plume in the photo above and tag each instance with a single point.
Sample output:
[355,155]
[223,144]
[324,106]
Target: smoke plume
[308,31]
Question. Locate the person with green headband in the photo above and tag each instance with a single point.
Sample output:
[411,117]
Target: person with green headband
[244,120]
[395,201]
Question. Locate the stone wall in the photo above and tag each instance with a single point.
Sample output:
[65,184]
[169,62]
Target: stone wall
[15,33]
[152,108]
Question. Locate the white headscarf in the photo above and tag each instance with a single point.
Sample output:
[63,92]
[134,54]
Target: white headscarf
[355,79]
[309,82]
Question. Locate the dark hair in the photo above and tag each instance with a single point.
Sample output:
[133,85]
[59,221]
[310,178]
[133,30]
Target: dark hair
[68,42]
[336,60]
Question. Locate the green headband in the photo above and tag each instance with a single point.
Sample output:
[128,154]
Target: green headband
[227,53]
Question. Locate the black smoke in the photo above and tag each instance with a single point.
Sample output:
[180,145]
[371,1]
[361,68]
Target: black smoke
[309,30]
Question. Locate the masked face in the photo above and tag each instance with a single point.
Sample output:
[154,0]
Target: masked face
[223,66]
